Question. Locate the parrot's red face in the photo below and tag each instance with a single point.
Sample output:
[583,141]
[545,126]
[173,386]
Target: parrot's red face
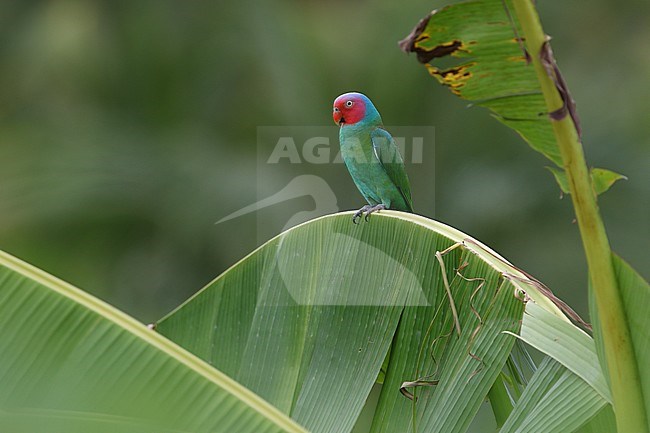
[348,109]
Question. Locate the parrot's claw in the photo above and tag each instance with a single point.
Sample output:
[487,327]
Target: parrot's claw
[360,213]
[367,209]
[376,208]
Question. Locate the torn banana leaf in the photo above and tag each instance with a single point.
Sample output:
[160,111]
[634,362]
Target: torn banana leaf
[492,69]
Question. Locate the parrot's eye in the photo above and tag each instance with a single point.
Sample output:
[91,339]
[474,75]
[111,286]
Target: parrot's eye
[349,104]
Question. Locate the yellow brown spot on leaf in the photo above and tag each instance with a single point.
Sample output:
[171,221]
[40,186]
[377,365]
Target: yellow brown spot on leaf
[454,78]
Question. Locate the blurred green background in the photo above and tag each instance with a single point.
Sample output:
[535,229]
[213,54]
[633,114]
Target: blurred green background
[127,128]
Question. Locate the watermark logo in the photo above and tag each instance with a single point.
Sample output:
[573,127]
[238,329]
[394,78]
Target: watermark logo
[321,150]
[302,185]
[305,161]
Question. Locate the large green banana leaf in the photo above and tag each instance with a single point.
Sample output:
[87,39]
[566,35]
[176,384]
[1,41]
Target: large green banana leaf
[307,320]
[71,363]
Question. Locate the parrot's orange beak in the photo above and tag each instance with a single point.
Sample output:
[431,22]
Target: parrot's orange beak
[338,116]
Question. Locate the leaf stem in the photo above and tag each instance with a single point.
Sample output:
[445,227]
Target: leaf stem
[619,353]
[500,401]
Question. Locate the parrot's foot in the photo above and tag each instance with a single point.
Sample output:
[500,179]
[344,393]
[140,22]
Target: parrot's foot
[367,209]
[360,212]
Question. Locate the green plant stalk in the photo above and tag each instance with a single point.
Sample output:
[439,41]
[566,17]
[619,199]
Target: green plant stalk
[619,353]
[500,401]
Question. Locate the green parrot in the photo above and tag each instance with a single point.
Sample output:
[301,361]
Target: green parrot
[371,156]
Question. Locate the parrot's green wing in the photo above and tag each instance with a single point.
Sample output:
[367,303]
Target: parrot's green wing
[386,151]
